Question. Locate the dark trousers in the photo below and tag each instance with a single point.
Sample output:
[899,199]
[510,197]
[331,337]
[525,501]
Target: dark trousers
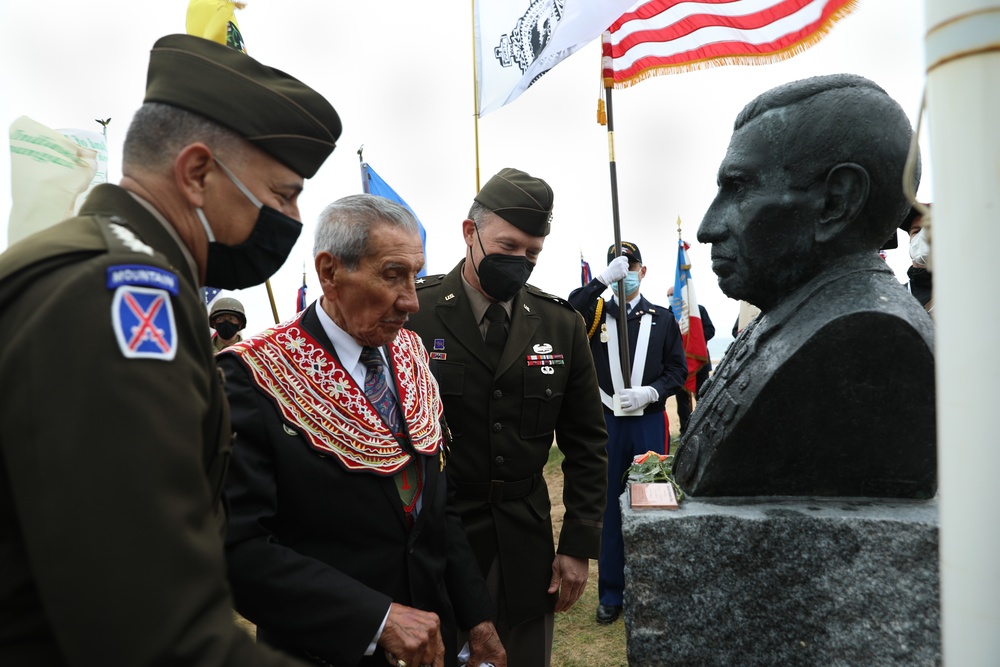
[684,399]
[627,437]
[683,407]
[528,643]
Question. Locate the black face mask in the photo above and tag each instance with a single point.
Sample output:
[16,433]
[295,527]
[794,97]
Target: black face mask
[226,330]
[256,259]
[502,276]
[918,275]
[260,256]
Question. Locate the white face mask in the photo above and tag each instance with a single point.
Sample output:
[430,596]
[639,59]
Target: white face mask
[920,249]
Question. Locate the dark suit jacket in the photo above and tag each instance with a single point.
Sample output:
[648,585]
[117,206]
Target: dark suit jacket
[709,329]
[665,369]
[503,422]
[830,393]
[317,553]
[111,467]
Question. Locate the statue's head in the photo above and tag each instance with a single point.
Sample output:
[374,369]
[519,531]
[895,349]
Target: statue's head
[813,174]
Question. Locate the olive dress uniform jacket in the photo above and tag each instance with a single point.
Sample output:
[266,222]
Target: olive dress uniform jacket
[112,466]
[503,421]
[665,369]
[318,552]
[219,346]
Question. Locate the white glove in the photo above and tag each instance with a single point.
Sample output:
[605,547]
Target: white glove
[616,270]
[637,398]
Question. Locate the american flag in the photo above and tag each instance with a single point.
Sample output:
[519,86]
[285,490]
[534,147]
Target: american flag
[209,294]
[671,36]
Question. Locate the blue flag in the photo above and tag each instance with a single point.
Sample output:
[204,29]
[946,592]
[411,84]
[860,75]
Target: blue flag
[373,184]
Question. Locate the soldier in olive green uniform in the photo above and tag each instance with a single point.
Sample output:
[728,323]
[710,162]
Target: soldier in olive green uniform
[114,443]
[228,318]
[508,388]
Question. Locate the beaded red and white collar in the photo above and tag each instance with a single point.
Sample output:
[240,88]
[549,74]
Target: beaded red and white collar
[318,397]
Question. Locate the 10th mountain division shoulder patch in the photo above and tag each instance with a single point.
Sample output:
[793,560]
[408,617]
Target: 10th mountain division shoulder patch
[142,313]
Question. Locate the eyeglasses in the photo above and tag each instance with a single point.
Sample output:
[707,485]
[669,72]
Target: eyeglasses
[226,317]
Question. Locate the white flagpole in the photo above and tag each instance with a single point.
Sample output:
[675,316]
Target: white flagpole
[963,104]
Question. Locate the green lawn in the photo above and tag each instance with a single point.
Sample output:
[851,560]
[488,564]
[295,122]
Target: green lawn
[578,640]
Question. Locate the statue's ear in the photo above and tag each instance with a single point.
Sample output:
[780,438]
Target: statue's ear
[845,193]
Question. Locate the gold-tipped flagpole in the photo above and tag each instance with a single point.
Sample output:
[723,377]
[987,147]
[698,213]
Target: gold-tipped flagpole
[270,296]
[475,91]
[620,289]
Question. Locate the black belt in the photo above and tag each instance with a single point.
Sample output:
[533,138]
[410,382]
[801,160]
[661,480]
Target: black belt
[496,490]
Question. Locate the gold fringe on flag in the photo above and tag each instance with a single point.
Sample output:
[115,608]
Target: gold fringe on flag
[747,59]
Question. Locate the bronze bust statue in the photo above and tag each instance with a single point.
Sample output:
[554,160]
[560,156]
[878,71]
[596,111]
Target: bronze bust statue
[830,390]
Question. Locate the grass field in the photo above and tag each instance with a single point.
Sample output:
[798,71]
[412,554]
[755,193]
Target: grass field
[578,641]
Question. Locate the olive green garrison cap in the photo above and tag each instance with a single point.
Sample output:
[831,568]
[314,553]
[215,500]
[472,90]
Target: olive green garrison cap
[275,112]
[519,198]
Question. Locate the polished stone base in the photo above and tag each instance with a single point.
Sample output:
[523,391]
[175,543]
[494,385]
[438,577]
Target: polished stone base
[816,582]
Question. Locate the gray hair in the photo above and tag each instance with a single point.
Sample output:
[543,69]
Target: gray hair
[159,132]
[480,214]
[345,226]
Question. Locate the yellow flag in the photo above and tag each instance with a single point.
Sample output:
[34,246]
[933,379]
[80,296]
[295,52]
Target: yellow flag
[216,20]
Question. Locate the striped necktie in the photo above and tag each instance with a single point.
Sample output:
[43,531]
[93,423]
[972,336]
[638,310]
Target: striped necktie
[378,392]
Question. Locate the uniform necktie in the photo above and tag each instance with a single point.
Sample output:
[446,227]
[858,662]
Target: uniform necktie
[378,392]
[496,334]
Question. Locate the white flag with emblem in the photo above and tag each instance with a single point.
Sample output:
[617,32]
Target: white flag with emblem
[518,41]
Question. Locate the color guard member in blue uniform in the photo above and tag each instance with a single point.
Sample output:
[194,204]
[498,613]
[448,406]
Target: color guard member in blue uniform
[634,416]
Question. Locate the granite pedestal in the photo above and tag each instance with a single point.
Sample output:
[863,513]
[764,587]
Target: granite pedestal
[816,582]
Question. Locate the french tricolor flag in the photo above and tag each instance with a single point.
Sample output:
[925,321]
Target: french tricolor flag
[684,303]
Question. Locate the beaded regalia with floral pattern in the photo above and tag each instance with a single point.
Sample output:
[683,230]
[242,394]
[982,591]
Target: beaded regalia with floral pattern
[319,398]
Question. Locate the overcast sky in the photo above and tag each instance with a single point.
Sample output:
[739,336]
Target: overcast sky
[400,74]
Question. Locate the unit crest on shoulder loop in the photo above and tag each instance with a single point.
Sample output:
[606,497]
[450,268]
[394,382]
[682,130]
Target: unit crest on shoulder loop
[534,291]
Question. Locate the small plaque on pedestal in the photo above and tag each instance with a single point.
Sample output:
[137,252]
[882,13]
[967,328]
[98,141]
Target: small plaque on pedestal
[652,495]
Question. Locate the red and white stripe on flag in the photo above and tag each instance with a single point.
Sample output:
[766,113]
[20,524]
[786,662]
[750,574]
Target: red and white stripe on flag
[684,303]
[671,36]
